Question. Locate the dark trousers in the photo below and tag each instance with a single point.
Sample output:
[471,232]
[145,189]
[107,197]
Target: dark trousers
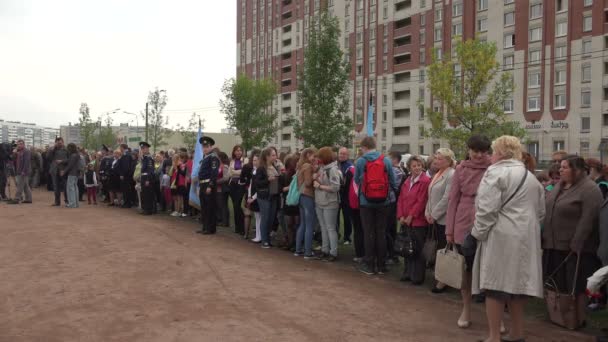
[223,218]
[391,230]
[441,239]
[346,214]
[358,233]
[208,209]
[148,200]
[416,265]
[373,221]
[2,183]
[127,192]
[58,188]
[236,195]
[158,199]
[81,188]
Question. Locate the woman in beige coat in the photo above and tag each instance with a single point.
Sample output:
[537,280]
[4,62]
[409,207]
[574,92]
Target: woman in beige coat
[507,227]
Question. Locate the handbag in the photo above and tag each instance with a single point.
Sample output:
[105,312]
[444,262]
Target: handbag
[404,245]
[449,267]
[429,250]
[562,307]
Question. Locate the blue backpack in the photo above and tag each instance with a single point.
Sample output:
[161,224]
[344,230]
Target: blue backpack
[293,195]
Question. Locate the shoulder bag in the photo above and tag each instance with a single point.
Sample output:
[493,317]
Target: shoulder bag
[562,307]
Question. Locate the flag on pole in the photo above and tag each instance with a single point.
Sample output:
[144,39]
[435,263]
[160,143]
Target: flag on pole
[193,198]
[370,117]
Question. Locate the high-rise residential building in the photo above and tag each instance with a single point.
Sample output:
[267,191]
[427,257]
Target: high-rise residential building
[32,134]
[555,50]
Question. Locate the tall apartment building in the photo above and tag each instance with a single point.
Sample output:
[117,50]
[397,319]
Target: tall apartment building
[556,51]
[32,134]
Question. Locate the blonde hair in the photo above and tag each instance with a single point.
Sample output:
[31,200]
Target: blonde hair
[508,147]
[119,151]
[447,154]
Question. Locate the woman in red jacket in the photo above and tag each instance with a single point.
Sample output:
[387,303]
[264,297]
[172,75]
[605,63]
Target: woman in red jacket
[410,213]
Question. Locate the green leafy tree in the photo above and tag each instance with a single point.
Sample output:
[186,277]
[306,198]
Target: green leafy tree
[247,106]
[190,132]
[156,130]
[323,87]
[87,128]
[106,135]
[470,101]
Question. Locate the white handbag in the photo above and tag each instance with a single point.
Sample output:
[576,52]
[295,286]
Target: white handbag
[449,267]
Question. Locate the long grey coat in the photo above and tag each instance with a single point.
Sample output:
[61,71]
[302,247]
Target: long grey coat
[437,205]
[509,254]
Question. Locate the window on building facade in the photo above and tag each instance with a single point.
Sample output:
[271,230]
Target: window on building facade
[507,62]
[508,106]
[384,116]
[507,2]
[560,5]
[585,124]
[558,145]
[533,79]
[586,47]
[587,3]
[559,101]
[587,23]
[533,103]
[585,98]
[561,29]
[509,19]
[560,77]
[422,76]
[422,37]
[533,148]
[438,34]
[439,54]
[536,11]
[509,40]
[605,119]
[535,34]
[560,52]
[457,30]
[586,73]
[438,14]
[482,25]
[534,56]
[457,9]
[422,57]
[422,19]
[482,5]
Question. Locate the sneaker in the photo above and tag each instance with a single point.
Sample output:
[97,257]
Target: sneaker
[322,256]
[175,214]
[346,243]
[266,245]
[365,269]
[184,215]
[382,270]
[358,260]
[309,257]
[256,241]
[331,258]
[318,248]
[298,254]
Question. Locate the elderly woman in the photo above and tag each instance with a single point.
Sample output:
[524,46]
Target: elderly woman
[508,210]
[461,209]
[570,230]
[437,205]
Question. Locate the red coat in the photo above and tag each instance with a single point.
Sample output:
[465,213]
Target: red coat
[412,202]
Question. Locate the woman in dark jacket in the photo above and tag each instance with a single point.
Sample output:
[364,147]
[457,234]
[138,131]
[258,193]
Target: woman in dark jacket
[72,170]
[570,230]
[246,178]
[267,185]
[292,213]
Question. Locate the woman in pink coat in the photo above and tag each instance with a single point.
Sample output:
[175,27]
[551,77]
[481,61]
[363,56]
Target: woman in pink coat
[461,209]
[410,213]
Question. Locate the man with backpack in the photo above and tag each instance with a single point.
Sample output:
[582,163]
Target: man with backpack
[374,176]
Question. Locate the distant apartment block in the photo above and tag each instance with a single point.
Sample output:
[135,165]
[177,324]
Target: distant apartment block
[32,134]
[556,50]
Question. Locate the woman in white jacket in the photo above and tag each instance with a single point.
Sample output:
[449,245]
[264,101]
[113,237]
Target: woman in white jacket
[510,205]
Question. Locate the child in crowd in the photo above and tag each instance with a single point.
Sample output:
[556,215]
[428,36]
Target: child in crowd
[90,183]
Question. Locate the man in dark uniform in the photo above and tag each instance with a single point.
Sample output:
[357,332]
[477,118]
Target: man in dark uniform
[148,202]
[126,175]
[105,167]
[207,176]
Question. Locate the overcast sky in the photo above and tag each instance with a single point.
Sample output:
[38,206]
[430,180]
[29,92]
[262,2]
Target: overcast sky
[110,53]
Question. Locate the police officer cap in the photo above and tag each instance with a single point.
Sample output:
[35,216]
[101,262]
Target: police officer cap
[207,141]
[143,144]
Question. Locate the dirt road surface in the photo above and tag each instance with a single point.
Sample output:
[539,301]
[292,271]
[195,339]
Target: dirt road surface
[107,274]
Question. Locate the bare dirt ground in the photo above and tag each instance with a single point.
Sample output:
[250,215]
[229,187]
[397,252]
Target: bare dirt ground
[108,274]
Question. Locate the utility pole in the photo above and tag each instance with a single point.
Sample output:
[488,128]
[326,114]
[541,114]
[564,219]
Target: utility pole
[146,121]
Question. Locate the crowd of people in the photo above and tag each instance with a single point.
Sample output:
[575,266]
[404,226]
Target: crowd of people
[516,227]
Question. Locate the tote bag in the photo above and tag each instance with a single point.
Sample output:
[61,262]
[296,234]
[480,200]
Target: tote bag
[449,267]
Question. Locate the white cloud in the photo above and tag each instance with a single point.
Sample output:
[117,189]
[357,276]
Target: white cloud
[110,53]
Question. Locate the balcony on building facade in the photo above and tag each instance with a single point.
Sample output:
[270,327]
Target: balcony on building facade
[402,5]
[403,27]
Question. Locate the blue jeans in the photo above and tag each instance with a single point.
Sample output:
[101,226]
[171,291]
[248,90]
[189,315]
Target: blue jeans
[268,211]
[308,218]
[72,191]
